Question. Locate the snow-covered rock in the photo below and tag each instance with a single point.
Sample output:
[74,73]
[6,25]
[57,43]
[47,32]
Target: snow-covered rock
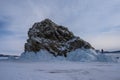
[51,42]
[56,39]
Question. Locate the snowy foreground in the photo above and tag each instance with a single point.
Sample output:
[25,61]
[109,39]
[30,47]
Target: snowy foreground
[64,70]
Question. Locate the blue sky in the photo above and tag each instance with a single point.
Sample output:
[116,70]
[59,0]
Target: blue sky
[96,21]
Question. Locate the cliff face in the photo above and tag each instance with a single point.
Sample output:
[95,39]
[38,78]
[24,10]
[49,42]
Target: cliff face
[56,39]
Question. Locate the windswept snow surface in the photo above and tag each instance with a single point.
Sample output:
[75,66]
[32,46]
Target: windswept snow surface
[61,70]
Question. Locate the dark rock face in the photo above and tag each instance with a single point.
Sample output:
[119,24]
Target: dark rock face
[54,38]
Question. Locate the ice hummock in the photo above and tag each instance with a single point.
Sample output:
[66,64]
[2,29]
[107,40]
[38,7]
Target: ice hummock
[79,55]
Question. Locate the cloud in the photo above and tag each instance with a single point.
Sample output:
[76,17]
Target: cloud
[92,20]
[108,40]
[11,46]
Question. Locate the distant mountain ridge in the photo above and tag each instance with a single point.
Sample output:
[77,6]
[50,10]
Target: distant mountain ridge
[3,55]
[111,51]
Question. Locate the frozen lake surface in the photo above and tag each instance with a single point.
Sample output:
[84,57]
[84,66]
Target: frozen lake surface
[16,70]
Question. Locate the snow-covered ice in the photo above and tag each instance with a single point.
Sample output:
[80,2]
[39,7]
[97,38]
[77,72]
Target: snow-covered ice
[81,55]
[60,70]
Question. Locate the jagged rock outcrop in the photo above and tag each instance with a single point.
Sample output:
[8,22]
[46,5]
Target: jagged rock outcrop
[54,38]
